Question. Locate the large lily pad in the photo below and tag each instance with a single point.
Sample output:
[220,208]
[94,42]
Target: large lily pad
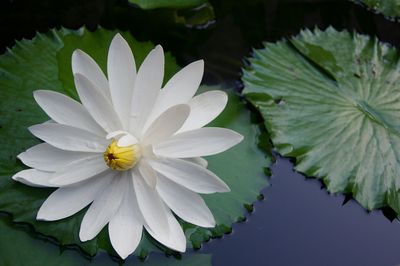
[390,8]
[44,63]
[18,246]
[332,100]
[152,4]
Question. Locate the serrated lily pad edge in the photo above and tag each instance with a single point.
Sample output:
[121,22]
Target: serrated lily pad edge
[392,198]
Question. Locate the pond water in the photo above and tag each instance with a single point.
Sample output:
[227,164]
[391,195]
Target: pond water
[298,222]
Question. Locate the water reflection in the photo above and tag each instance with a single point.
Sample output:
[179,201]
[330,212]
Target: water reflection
[299,223]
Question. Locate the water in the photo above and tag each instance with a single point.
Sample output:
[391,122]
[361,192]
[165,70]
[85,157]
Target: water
[298,222]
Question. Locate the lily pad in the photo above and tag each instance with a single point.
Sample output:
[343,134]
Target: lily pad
[44,63]
[29,247]
[389,8]
[332,100]
[153,4]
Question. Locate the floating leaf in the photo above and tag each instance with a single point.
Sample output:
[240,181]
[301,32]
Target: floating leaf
[390,8]
[152,4]
[332,100]
[44,63]
[28,247]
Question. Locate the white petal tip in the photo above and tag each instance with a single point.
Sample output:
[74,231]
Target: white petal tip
[118,40]
[38,93]
[118,36]
[41,217]
[159,51]
[235,137]
[83,237]
[223,95]
[45,217]
[207,222]
[32,128]
[76,53]
[224,188]
[19,178]
[123,254]
[199,63]
[209,225]
[76,59]
[181,249]
[16,177]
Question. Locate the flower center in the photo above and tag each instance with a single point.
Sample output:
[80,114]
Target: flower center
[121,158]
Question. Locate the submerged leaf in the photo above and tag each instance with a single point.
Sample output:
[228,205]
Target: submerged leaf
[332,100]
[45,63]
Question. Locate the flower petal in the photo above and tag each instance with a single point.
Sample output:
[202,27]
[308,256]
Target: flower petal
[69,138]
[33,178]
[176,239]
[99,107]
[83,64]
[127,140]
[103,208]
[199,142]
[147,86]
[189,175]
[198,160]
[180,88]
[150,205]
[185,203]
[66,111]
[166,124]
[79,170]
[125,228]
[48,158]
[148,174]
[121,70]
[67,201]
[204,108]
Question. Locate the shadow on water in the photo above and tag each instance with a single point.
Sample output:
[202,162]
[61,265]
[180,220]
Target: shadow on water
[239,25]
[297,223]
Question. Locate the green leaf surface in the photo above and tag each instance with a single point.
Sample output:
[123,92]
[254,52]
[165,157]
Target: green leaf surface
[177,4]
[331,100]
[44,63]
[18,246]
[390,8]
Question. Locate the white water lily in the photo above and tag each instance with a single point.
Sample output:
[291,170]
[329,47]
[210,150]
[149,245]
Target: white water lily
[131,150]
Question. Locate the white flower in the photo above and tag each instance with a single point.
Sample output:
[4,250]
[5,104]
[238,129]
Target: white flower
[131,149]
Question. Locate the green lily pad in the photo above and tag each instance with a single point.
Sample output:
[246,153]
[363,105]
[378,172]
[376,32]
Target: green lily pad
[44,63]
[28,247]
[389,8]
[153,4]
[331,100]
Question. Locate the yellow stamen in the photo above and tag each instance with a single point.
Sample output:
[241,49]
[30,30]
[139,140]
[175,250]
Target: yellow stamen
[121,158]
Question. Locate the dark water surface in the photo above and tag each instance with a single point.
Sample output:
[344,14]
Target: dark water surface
[298,222]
